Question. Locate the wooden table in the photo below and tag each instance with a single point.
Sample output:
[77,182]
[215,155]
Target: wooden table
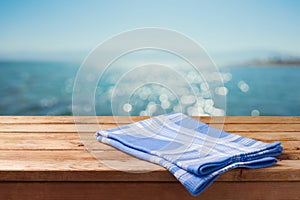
[42,157]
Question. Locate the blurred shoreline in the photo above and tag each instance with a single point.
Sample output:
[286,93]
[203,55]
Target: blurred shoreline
[275,61]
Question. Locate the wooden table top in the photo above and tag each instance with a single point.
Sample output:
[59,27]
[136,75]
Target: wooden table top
[48,148]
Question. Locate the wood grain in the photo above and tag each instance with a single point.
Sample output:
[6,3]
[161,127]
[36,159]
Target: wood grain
[58,141]
[72,128]
[147,191]
[126,120]
[44,157]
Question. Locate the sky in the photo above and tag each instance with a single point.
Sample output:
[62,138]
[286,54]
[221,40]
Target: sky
[63,29]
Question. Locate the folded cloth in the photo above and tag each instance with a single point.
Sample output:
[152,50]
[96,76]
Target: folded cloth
[195,153]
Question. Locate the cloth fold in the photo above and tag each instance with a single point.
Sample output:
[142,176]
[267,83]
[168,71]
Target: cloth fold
[195,153]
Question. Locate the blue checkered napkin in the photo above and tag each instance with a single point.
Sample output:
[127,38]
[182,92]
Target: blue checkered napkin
[195,153]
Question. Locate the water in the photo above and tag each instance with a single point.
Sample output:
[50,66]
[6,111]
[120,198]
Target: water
[33,88]
[273,90]
[45,88]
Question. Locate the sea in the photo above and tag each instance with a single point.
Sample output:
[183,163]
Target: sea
[46,88]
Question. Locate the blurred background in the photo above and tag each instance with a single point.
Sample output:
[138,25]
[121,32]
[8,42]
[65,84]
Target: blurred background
[255,44]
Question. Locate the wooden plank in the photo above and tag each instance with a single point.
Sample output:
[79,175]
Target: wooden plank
[62,160]
[126,120]
[50,128]
[59,141]
[289,156]
[268,136]
[147,191]
[48,163]
[50,144]
[259,127]
[69,119]
[106,151]
[271,136]
[139,175]
[40,136]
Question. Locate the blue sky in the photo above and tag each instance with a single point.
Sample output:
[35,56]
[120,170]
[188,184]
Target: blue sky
[61,28]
